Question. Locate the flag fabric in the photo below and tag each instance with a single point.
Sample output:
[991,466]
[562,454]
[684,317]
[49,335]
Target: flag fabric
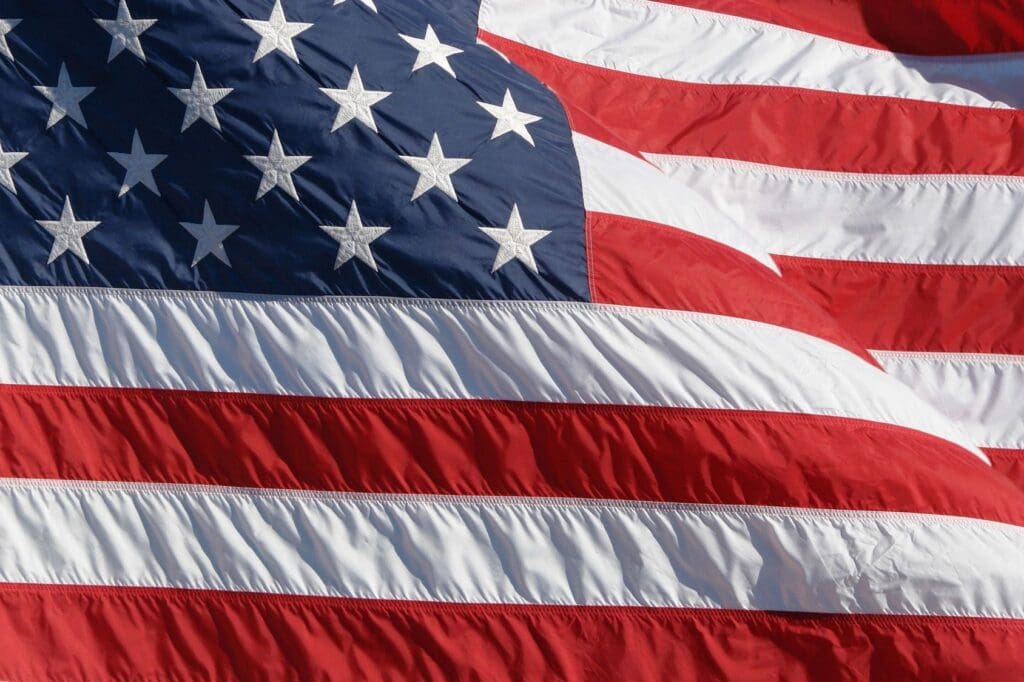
[873,148]
[523,339]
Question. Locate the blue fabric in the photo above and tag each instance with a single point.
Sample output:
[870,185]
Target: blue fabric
[434,247]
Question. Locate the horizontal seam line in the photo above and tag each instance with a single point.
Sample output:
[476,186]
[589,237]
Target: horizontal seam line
[788,172]
[356,603]
[203,490]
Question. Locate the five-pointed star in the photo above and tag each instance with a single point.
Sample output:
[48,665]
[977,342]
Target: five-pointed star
[514,241]
[67,233]
[435,170]
[200,100]
[276,33]
[354,239]
[138,166]
[431,50]
[6,26]
[210,236]
[125,32]
[368,3]
[277,168]
[354,102]
[8,159]
[509,118]
[65,98]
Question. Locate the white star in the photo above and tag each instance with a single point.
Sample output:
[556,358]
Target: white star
[8,159]
[435,170]
[138,166]
[277,168]
[6,26]
[68,232]
[210,236]
[65,98]
[431,50]
[509,118]
[368,3]
[125,32]
[200,100]
[355,102]
[354,239]
[276,33]
[514,241]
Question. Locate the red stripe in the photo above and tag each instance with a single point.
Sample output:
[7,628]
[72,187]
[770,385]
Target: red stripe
[927,27]
[1008,462]
[102,633]
[777,125]
[492,448]
[966,309]
[636,262]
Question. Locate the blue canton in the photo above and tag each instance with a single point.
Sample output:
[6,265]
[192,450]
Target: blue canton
[356,147]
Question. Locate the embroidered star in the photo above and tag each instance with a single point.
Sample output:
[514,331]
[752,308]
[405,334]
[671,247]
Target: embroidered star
[431,51]
[510,119]
[514,241]
[354,239]
[368,3]
[67,233]
[210,235]
[138,166]
[200,100]
[125,32]
[6,26]
[65,98]
[354,102]
[435,170]
[276,33]
[8,159]
[277,168]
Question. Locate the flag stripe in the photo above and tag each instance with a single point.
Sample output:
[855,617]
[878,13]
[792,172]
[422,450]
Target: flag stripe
[639,263]
[969,309]
[795,128]
[154,633]
[643,38]
[509,550]
[982,392]
[1008,462]
[400,348]
[491,448]
[915,27]
[621,184]
[919,219]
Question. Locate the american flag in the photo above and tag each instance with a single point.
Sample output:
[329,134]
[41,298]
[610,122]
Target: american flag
[513,339]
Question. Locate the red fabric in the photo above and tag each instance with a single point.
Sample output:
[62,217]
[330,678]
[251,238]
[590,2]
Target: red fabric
[492,448]
[969,309]
[1008,462]
[635,262]
[111,633]
[779,125]
[926,27]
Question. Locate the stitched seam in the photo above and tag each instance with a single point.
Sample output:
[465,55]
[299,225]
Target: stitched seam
[509,501]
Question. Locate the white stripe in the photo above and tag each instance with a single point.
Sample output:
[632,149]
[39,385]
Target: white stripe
[617,182]
[682,44]
[508,550]
[416,348]
[982,393]
[937,219]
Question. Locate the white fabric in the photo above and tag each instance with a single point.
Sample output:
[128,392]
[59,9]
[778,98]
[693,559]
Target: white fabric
[937,219]
[982,393]
[409,348]
[682,44]
[622,184]
[508,550]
